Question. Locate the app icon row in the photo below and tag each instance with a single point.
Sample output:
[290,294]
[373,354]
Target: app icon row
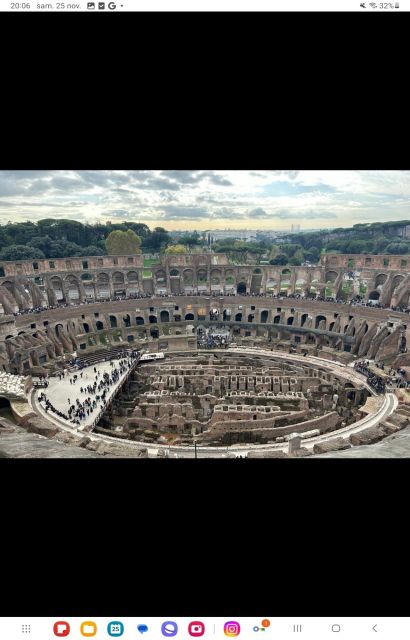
[169,628]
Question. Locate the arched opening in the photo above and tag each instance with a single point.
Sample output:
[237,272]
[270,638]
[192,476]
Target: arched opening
[139,320]
[290,320]
[113,322]
[130,338]
[153,319]
[270,285]
[59,330]
[154,333]
[304,319]
[331,325]
[286,272]
[86,327]
[320,322]
[201,276]
[331,276]
[103,286]
[276,320]
[164,316]
[99,325]
[264,315]
[86,276]
[118,277]
[250,317]
[57,286]
[226,315]
[380,280]
[127,320]
[73,288]
[132,276]
[177,318]
[241,288]
[257,271]
[396,281]
[174,272]
[189,316]
[160,277]
[238,317]
[374,295]
[5,410]
[188,277]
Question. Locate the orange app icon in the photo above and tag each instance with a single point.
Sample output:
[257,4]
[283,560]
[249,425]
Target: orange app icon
[88,628]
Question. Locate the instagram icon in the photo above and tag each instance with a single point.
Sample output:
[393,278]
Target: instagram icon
[232,628]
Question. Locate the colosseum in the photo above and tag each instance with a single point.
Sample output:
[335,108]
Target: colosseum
[197,357]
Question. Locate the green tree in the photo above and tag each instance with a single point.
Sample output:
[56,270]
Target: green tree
[175,248]
[281,258]
[123,243]
[21,252]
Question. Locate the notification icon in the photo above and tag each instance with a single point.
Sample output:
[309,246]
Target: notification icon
[196,629]
[61,628]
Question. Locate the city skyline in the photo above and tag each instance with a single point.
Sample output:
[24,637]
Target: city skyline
[207,199]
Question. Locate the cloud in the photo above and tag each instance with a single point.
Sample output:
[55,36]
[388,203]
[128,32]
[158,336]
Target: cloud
[258,213]
[173,212]
[185,177]
[220,181]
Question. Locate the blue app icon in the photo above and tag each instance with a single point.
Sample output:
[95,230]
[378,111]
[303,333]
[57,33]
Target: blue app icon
[142,628]
[169,629]
[115,628]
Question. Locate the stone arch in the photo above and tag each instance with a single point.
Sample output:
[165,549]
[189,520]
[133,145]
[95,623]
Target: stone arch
[229,276]
[264,315]
[331,325]
[286,272]
[303,319]
[160,276]
[103,278]
[86,276]
[57,286]
[238,317]
[270,284]
[331,276]
[276,319]
[257,271]
[188,276]
[73,287]
[396,281]
[216,275]
[127,320]
[164,315]
[154,332]
[201,276]
[132,276]
[113,321]
[380,280]
[319,320]
[152,319]
[290,320]
[99,325]
[374,295]
[189,316]
[174,272]
[241,288]
[118,277]
[139,320]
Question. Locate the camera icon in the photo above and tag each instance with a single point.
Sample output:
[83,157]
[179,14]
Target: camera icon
[232,628]
[196,629]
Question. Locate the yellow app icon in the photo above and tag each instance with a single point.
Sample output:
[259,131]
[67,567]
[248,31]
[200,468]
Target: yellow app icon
[88,628]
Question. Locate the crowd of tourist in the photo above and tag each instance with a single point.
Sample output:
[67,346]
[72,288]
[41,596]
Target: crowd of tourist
[396,378]
[355,301]
[213,338]
[96,388]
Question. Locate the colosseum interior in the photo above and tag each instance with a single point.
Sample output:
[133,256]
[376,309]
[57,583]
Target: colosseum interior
[258,360]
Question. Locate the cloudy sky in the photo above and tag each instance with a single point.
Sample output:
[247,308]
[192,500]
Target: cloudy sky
[205,199]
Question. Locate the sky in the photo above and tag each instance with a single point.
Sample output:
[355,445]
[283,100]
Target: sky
[191,200]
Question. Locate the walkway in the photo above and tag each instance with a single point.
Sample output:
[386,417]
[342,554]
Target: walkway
[59,391]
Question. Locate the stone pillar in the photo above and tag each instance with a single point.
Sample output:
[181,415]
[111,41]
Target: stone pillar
[111,286]
[294,443]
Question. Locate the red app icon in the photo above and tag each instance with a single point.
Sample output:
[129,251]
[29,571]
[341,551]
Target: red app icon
[61,628]
[196,629]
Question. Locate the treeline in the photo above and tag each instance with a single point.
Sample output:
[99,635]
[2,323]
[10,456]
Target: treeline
[50,238]
[375,238]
